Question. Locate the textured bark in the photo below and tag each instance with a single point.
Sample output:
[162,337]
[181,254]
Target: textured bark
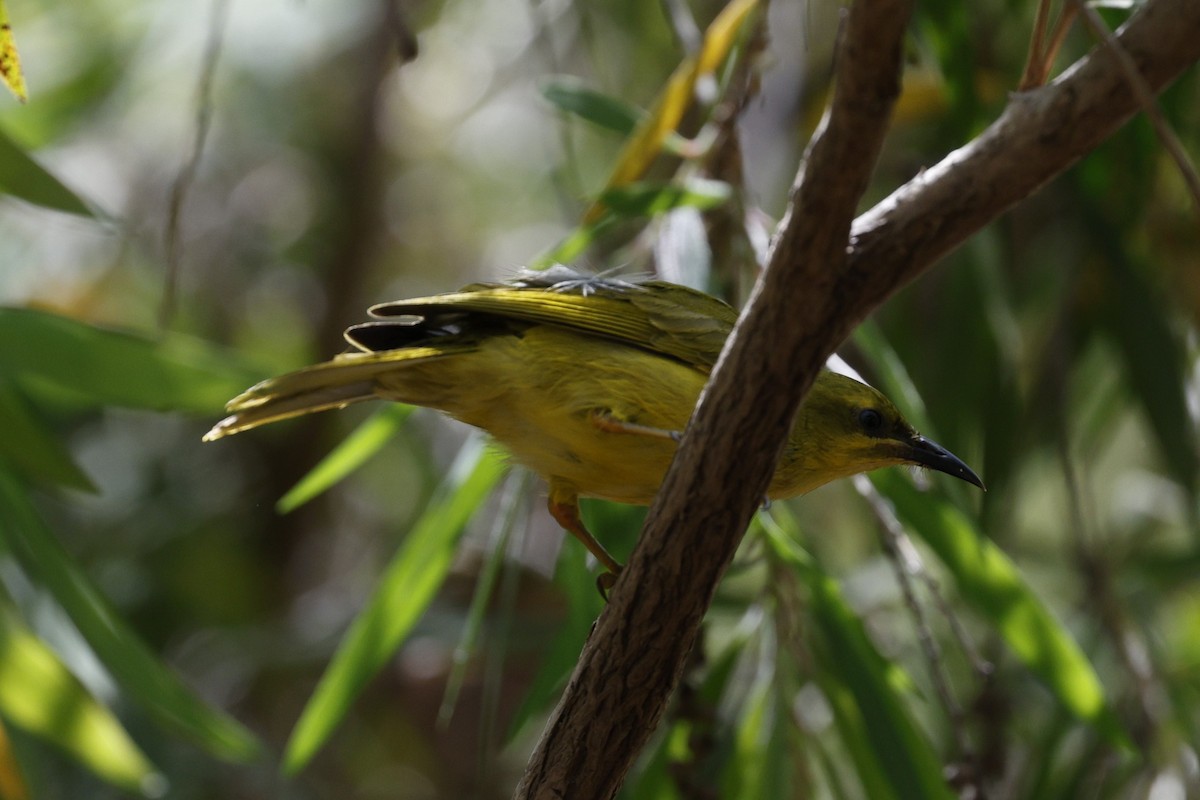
[823,277]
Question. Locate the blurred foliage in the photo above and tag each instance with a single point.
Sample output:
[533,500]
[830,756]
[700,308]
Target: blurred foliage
[398,628]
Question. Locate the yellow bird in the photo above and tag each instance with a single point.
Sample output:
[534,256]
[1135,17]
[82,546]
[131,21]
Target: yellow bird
[587,381]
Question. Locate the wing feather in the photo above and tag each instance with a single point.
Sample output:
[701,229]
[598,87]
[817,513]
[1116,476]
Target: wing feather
[663,318]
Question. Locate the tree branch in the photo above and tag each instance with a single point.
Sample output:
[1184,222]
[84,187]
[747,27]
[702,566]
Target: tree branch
[819,283]
[1038,136]
[633,660]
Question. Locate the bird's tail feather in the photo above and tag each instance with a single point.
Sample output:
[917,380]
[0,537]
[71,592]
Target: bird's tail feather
[349,378]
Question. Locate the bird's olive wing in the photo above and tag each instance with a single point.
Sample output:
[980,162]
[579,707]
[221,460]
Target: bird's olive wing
[661,317]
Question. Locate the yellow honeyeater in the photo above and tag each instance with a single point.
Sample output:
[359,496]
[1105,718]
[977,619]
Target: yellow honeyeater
[588,382]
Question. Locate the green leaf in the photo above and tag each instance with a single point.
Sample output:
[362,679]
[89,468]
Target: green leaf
[990,582]
[404,592]
[646,142]
[615,524]
[39,694]
[354,451]
[760,765]
[139,672]
[100,366]
[33,450]
[570,95]
[583,606]
[1155,361]
[893,759]
[851,664]
[482,599]
[648,199]
[23,177]
[633,200]
[655,776]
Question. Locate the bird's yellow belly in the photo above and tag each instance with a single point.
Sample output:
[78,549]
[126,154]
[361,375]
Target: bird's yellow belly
[548,389]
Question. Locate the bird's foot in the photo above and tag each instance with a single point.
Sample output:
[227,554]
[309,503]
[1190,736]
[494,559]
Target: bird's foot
[604,583]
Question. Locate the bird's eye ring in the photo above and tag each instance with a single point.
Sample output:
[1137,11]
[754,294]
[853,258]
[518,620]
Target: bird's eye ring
[870,420]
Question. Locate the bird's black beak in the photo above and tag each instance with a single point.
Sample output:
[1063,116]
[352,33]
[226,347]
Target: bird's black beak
[930,454]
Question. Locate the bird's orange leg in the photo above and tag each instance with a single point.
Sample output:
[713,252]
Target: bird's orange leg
[564,507]
[606,421]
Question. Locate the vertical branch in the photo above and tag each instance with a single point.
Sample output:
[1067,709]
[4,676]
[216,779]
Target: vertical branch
[818,284]
[632,663]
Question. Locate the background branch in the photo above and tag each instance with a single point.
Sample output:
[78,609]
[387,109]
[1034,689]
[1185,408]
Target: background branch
[814,291]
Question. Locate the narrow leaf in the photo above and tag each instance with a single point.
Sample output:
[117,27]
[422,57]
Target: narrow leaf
[990,582]
[39,694]
[354,451]
[634,200]
[101,366]
[1154,359]
[570,95]
[485,585]
[33,450]
[760,764]
[905,756]
[642,199]
[647,141]
[404,592]
[853,731]
[24,178]
[892,756]
[583,605]
[139,672]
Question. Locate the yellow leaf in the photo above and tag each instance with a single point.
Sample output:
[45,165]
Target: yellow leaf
[39,695]
[10,62]
[646,142]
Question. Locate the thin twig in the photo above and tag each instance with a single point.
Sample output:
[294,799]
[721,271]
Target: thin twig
[733,255]
[1096,571]
[496,655]
[512,495]
[1041,54]
[1145,98]
[1061,29]
[218,16]
[1034,72]
[984,669]
[566,174]
[907,564]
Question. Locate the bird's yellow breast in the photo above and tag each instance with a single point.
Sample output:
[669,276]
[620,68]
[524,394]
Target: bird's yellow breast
[538,395]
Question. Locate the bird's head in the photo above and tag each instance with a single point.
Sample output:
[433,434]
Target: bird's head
[845,427]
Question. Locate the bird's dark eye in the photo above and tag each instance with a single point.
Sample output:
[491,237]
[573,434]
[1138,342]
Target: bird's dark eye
[870,420]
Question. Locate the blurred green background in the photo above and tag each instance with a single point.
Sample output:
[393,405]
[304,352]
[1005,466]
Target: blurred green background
[371,151]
